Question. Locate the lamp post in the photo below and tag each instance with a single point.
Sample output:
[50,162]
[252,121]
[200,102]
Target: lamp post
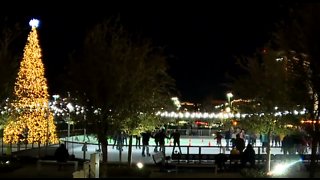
[84,128]
[55,97]
[229,96]
[71,109]
[228,109]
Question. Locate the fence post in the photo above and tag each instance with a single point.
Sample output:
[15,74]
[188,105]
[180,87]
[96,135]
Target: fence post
[199,154]
[188,153]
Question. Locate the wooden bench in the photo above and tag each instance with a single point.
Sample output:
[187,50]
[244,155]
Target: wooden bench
[195,161]
[193,157]
[197,165]
[209,160]
[40,162]
[162,162]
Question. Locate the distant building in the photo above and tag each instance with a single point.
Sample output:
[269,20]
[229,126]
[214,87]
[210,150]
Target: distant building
[189,106]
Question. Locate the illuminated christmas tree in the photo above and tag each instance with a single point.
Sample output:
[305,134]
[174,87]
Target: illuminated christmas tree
[32,121]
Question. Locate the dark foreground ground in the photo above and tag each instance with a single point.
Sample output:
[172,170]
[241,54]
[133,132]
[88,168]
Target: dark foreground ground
[27,168]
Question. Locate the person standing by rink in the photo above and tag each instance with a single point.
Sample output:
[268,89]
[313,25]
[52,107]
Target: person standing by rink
[138,139]
[120,141]
[156,140]
[228,139]
[240,144]
[218,138]
[84,149]
[145,143]
[162,136]
[176,140]
[115,137]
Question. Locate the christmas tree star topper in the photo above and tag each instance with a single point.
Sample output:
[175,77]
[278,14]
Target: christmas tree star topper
[34,23]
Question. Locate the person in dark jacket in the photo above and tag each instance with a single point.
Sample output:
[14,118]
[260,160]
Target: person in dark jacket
[120,140]
[138,139]
[249,155]
[288,145]
[162,137]
[156,140]
[240,144]
[176,140]
[145,142]
[62,155]
[228,138]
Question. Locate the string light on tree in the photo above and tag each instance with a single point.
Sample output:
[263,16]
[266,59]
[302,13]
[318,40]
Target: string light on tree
[32,120]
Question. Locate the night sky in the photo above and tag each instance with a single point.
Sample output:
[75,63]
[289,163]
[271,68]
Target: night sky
[201,39]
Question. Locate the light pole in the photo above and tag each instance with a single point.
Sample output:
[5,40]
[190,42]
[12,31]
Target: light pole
[229,96]
[84,128]
[55,97]
[71,109]
[229,108]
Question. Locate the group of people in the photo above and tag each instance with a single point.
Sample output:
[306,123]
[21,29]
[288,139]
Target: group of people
[292,144]
[246,156]
[232,136]
[246,153]
[159,135]
[236,139]
[159,139]
[119,139]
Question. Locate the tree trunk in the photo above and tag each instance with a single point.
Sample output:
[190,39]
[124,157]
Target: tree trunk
[104,148]
[314,146]
[268,149]
[120,152]
[130,151]
[104,170]
[2,152]
[39,150]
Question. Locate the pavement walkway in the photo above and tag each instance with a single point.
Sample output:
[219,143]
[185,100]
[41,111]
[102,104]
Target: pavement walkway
[29,169]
